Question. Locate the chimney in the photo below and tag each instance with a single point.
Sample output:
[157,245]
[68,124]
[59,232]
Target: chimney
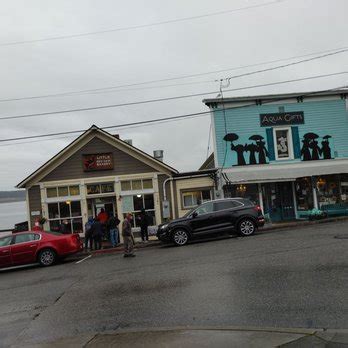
[128,141]
[117,136]
[158,154]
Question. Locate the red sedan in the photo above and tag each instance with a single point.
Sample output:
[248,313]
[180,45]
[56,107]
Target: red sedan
[37,246]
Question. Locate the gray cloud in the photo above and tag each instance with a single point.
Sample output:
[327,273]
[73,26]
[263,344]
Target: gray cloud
[282,30]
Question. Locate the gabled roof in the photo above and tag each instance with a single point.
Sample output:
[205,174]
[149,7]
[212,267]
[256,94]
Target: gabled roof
[73,147]
[208,163]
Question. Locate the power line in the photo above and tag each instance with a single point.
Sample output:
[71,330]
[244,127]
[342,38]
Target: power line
[167,119]
[50,113]
[289,64]
[123,86]
[140,26]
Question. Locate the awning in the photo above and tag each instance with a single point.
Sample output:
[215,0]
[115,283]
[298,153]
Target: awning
[283,171]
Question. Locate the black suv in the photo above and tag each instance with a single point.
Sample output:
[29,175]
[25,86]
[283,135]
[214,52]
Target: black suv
[218,216]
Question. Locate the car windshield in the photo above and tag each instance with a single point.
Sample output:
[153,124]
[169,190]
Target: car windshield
[189,212]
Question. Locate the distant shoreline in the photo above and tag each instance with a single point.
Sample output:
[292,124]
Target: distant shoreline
[11,200]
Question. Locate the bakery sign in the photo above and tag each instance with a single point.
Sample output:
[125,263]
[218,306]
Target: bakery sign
[99,161]
[281,119]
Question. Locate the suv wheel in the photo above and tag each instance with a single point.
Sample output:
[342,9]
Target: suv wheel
[180,237]
[47,257]
[246,227]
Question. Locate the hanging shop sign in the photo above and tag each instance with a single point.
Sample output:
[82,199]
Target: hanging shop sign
[100,161]
[281,119]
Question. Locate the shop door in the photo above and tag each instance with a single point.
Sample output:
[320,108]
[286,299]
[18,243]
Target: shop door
[278,201]
[287,200]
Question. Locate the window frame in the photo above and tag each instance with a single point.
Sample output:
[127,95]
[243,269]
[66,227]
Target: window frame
[190,192]
[290,143]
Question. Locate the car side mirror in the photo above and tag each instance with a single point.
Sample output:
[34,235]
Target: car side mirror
[194,214]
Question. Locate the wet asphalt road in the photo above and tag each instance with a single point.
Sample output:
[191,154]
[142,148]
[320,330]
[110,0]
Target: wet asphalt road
[289,278]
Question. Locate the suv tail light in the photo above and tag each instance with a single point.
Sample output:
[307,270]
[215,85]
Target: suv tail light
[258,209]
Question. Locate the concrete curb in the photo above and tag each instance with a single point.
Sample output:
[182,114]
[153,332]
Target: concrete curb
[196,336]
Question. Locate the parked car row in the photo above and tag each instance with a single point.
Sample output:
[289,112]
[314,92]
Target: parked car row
[235,215]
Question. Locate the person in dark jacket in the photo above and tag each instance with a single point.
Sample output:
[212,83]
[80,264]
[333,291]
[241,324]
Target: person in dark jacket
[88,234]
[144,221]
[113,228]
[97,233]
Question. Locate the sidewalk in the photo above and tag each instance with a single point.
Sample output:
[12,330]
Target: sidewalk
[205,337]
[267,228]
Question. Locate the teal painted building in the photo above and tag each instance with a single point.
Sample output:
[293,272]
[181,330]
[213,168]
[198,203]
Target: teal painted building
[288,153]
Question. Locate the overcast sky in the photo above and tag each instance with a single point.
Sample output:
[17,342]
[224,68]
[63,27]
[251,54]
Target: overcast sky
[274,31]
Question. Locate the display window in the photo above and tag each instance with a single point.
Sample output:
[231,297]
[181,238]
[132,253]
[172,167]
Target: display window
[328,188]
[248,191]
[135,203]
[304,194]
[69,211]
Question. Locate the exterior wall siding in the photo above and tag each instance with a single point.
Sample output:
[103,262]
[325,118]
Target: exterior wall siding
[34,196]
[322,117]
[123,163]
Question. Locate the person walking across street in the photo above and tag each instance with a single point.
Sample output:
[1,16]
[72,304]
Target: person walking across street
[128,238]
[97,234]
[144,220]
[88,234]
[113,228]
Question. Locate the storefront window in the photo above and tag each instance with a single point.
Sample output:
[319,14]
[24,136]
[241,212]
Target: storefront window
[304,194]
[135,203]
[74,190]
[344,188]
[147,184]
[149,202]
[107,188]
[328,190]
[248,191]
[51,192]
[64,209]
[95,189]
[70,211]
[53,211]
[63,191]
[126,186]
[193,198]
[138,202]
[136,185]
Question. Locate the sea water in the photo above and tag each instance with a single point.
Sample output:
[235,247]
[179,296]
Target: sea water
[12,213]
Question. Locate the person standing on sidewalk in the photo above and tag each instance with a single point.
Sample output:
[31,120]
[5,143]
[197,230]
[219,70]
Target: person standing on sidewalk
[113,228]
[97,233]
[144,220]
[128,238]
[88,234]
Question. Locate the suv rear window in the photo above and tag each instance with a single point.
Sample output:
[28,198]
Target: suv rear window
[226,205]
